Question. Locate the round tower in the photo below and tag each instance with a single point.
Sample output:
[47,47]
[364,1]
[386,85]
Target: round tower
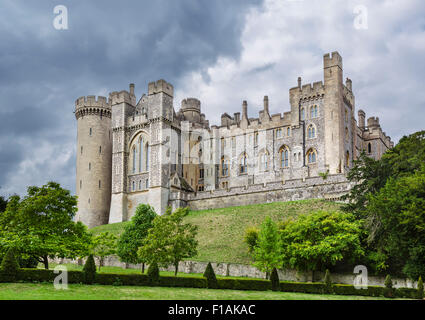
[94,160]
[191,108]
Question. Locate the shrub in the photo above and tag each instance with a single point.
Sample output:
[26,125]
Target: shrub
[251,238]
[274,279]
[153,272]
[244,284]
[9,266]
[89,270]
[328,282]
[210,276]
[420,289]
[389,291]
[183,282]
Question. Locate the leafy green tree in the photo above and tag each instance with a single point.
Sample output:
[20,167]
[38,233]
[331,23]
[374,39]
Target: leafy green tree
[267,252]
[274,278]
[134,234]
[209,274]
[89,270]
[251,238]
[389,290]
[170,240]
[103,245]
[41,225]
[396,223]
[319,240]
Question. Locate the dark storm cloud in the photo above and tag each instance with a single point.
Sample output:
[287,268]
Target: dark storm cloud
[108,44]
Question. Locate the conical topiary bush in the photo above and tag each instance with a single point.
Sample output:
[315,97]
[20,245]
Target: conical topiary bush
[89,270]
[9,266]
[210,276]
[153,272]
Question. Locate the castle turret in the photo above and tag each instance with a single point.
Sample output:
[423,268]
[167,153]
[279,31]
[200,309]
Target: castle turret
[94,160]
[362,116]
[191,109]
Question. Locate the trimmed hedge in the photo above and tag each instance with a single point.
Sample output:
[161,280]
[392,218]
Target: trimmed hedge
[244,284]
[42,275]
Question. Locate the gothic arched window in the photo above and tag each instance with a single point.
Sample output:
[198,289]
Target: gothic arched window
[284,157]
[312,156]
[134,158]
[243,164]
[311,131]
[147,156]
[264,161]
[313,112]
[141,154]
[224,167]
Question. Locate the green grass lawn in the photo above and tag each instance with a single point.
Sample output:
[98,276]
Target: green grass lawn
[221,231]
[46,291]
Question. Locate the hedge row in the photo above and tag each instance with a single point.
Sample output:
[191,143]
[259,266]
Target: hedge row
[42,275]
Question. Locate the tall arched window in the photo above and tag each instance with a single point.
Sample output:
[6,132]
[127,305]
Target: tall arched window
[302,115]
[313,112]
[369,148]
[264,161]
[134,158]
[243,164]
[147,156]
[141,154]
[311,131]
[312,156]
[224,167]
[284,157]
[346,134]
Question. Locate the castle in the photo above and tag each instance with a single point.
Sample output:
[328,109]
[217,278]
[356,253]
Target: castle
[131,152]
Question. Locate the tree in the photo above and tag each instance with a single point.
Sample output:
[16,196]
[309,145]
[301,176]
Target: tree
[251,238]
[103,245]
[209,274]
[134,234]
[328,281]
[41,224]
[396,223]
[388,291]
[320,240]
[170,240]
[89,270]
[267,252]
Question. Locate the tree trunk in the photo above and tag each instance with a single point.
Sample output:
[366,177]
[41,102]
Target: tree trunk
[46,262]
[143,267]
[100,263]
[176,266]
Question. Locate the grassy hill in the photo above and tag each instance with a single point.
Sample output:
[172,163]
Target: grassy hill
[221,231]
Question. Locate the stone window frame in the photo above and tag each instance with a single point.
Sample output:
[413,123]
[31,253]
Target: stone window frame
[264,165]
[284,157]
[311,155]
[311,131]
[314,111]
[224,165]
[139,163]
[243,164]
[279,133]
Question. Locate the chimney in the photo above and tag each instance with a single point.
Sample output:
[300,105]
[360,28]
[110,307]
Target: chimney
[132,89]
[245,110]
[266,104]
[362,116]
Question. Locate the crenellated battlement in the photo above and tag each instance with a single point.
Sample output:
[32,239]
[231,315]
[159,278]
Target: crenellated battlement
[91,106]
[191,103]
[373,122]
[122,97]
[332,60]
[161,86]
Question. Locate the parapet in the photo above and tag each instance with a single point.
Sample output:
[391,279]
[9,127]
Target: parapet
[91,101]
[191,103]
[373,122]
[332,60]
[160,86]
[91,106]
[120,97]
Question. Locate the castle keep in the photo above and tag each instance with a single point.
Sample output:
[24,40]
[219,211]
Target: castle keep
[133,151]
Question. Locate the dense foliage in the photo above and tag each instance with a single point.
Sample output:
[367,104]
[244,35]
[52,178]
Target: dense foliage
[41,225]
[134,234]
[103,245]
[170,240]
[320,240]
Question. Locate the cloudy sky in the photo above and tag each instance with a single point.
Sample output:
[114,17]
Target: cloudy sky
[220,51]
